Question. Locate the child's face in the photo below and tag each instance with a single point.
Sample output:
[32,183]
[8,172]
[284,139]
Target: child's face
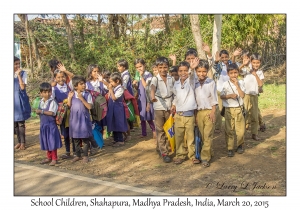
[113,83]
[60,78]
[255,64]
[106,77]
[224,58]
[16,65]
[233,74]
[155,71]
[163,69]
[183,72]
[81,86]
[245,58]
[46,94]
[190,58]
[201,73]
[140,67]
[95,72]
[121,68]
[175,75]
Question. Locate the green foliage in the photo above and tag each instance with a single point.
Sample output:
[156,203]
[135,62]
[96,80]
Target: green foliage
[273,97]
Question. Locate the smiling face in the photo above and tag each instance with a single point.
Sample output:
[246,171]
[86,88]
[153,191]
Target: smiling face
[46,94]
[155,71]
[183,72]
[16,65]
[255,64]
[60,78]
[163,69]
[224,58]
[95,73]
[201,73]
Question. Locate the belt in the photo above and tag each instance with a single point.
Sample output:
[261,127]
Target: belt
[185,113]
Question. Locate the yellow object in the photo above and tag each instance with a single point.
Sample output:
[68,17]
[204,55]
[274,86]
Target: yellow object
[67,119]
[169,130]
[137,122]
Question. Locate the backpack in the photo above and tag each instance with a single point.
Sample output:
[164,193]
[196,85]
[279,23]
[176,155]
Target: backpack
[99,109]
[61,112]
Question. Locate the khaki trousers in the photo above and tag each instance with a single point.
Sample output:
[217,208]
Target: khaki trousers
[251,106]
[218,124]
[160,117]
[184,129]
[234,122]
[206,128]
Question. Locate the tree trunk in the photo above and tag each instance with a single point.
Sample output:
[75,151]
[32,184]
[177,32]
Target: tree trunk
[147,29]
[123,25]
[33,41]
[80,27]
[197,35]
[110,25]
[24,19]
[70,36]
[167,23]
[116,26]
[99,25]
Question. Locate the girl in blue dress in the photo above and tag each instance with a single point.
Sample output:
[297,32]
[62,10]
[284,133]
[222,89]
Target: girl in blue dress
[49,134]
[80,123]
[22,109]
[116,118]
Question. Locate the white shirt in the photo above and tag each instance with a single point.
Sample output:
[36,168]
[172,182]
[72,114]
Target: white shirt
[164,92]
[62,88]
[95,85]
[125,79]
[89,97]
[118,93]
[206,95]
[52,107]
[223,77]
[226,90]
[251,85]
[24,77]
[184,99]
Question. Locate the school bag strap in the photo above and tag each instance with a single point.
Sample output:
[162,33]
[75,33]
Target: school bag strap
[242,107]
[159,95]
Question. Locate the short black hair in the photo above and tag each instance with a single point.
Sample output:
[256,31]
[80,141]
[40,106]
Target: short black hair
[245,53]
[162,60]
[77,79]
[174,69]
[232,66]
[53,64]
[255,56]
[140,60]
[191,51]
[115,76]
[16,59]
[45,86]
[123,63]
[184,63]
[203,64]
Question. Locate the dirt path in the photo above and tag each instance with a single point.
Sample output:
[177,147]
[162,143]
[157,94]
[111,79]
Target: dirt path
[261,170]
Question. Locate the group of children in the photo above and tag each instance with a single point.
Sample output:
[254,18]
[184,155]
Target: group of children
[184,91]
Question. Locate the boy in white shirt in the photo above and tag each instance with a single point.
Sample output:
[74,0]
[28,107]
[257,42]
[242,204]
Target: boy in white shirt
[185,104]
[232,95]
[207,100]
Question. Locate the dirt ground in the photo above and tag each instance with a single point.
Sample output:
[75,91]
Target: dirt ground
[261,170]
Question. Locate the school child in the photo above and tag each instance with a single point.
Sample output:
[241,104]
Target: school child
[122,66]
[49,134]
[60,93]
[253,81]
[162,97]
[55,64]
[184,104]
[174,72]
[116,118]
[80,102]
[232,95]
[206,98]
[22,109]
[144,106]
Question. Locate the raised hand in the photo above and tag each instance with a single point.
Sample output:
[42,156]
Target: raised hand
[61,67]
[205,47]
[100,77]
[194,63]
[237,52]
[18,72]
[172,57]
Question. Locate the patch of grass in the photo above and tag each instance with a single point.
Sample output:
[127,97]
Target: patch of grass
[274,96]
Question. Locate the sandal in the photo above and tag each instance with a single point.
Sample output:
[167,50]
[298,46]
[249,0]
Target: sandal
[196,161]
[118,144]
[22,146]
[17,146]
[66,156]
[45,161]
[178,161]
[85,159]
[53,162]
[75,159]
[263,127]
[205,164]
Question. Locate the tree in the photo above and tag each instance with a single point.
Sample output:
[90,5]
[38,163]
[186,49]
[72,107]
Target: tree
[80,24]
[70,36]
[167,23]
[197,35]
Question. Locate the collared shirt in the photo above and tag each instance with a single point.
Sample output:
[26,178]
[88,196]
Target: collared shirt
[223,77]
[52,107]
[251,85]
[226,90]
[125,78]
[164,92]
[24,77]
[89,97]
[184,98]
[61,88]
[118,92]
[206,95]
[95,85]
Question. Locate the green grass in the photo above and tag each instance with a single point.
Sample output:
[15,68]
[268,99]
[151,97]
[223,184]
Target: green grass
[273,97]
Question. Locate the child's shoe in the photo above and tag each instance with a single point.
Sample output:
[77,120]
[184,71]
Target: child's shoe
[85,159]
[53,162]
[75,159]
[66,156]
[240,149]
[255,137]
[230,153]
[45,161]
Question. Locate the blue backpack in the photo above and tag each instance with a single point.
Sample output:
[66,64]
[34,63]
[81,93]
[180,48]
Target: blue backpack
[198,143]
[97,135]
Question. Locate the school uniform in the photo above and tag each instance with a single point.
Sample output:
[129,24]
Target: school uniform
[142,104]
[49,134]
[206,98]
[116,118]
[185,103]
[60,93]
[251,98]
[127,83]
[234,119]
[164,97]
[80,123]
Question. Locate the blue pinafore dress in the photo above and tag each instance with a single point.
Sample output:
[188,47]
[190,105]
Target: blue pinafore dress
[80,121]
[22,109]
[116,118]
[142,101]
[129,84]
[49,134]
